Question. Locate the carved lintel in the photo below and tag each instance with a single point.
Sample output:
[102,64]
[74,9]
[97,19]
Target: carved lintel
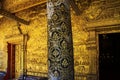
[10,15]
[16,39]
[100,26]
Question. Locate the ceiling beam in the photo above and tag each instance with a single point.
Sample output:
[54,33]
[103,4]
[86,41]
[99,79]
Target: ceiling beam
[18,5]
[10,15]
[15,7]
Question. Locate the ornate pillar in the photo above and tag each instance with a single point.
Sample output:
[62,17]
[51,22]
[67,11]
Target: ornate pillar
[60,45]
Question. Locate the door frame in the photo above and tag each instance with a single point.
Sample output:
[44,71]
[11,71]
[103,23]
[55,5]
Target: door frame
[16,40]
[104,30]
[10,66]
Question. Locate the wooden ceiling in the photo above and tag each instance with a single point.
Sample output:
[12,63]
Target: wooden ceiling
[13,6]
[9,7]
[18,5]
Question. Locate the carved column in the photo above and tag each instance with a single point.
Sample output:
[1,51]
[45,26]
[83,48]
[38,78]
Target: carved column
[60,45]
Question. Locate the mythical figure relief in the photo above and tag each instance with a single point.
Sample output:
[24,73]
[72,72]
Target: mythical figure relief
[94,11]
[101,10]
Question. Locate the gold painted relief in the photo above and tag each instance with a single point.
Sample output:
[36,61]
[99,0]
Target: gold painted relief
[18,61]
[37,41]
[81,55]
[1,60]
[84,42]
[36,45]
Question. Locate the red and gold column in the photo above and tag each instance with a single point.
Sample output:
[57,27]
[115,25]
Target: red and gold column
[60,45]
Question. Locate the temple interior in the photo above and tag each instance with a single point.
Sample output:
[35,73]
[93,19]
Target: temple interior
[90,38]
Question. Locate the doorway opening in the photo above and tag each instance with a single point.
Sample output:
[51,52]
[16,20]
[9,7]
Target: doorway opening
[11,62]
[109,54]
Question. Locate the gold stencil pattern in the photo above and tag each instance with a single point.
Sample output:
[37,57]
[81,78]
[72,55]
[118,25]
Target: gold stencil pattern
[60,56]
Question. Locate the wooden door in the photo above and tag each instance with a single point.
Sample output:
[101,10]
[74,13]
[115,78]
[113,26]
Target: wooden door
[109,62]
[11,62]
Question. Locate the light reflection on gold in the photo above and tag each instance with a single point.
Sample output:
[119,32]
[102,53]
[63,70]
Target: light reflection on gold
[37,44]
[84,59]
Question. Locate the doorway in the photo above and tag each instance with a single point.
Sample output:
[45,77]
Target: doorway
[11,62]
[109,53]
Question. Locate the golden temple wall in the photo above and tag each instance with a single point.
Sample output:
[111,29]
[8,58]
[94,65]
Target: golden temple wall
[85,27]
[84,50]
[100,16]
[37,42]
